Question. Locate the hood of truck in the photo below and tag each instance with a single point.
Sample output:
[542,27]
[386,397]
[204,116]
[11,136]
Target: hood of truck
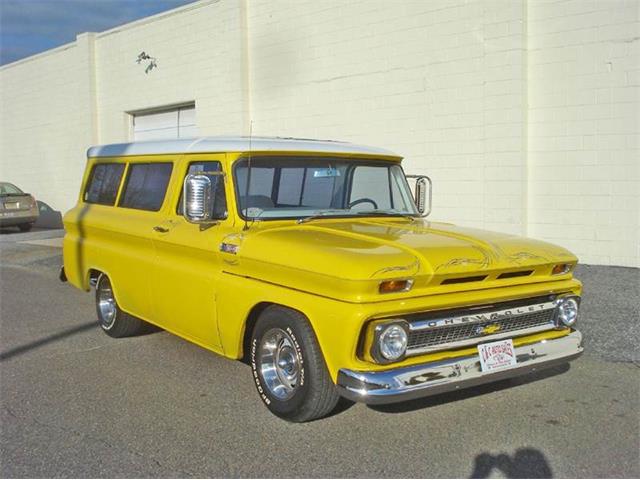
[346,259]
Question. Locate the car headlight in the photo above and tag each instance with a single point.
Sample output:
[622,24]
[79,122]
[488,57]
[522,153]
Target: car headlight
[391,343]
[568,310]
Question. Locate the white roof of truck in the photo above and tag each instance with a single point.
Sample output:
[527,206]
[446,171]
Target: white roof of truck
[233,144]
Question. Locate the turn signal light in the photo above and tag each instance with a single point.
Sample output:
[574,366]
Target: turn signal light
[561,269]
[393,286]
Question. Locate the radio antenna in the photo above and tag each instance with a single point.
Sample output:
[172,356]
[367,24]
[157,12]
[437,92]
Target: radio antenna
[246,193]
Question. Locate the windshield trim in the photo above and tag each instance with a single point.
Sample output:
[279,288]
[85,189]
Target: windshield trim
[360,161]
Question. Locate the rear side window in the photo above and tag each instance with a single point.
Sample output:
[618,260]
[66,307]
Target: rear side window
[146,186]
[103,184]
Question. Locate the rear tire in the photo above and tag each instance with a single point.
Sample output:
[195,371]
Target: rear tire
[25,227]
[288,367]
[113,321]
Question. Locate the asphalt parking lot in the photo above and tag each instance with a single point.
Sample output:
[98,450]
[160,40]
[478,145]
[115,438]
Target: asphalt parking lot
[77,403]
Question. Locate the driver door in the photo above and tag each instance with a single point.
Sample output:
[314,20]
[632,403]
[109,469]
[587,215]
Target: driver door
[188,265]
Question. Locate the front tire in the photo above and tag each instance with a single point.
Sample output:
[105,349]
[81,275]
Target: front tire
[288,367]
[25,227]
[113,321]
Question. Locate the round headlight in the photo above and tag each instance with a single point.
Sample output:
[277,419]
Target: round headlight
[568,311]
[392,342]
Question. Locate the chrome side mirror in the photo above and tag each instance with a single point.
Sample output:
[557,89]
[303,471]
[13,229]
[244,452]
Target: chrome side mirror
[197,195]
[423,192]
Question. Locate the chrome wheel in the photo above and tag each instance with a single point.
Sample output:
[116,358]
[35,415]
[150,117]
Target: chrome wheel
[279,363]
[106,305]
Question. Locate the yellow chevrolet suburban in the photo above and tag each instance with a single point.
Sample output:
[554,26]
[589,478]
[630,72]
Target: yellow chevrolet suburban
[313,262]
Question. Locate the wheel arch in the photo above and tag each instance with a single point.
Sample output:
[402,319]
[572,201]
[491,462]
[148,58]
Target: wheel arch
[240,300]
[92,276]
[251,320]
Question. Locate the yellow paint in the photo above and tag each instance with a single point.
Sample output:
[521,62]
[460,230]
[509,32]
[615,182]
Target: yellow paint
[328,269]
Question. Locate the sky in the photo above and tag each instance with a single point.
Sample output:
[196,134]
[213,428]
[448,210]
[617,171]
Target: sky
[28,27]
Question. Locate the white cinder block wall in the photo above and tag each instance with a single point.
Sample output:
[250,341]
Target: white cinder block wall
[441,82]
[584,108]
[46,123]
[199,59]
[524,113]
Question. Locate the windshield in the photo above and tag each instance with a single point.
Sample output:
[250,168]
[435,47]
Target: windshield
[9,189]
[301,187]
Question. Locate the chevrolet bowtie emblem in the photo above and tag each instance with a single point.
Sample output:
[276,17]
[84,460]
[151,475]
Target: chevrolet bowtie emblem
[489,329]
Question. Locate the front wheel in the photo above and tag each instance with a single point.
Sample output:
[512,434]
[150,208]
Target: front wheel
[288,367]
[113,321]
[25,227]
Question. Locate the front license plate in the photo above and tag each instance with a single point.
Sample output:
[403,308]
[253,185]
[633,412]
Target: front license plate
[497,355]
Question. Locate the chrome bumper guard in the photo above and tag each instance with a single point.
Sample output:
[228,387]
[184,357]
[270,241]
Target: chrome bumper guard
[407,383]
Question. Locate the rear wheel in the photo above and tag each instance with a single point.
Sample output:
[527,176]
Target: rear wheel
[288,367]
[113,321]
[25,227]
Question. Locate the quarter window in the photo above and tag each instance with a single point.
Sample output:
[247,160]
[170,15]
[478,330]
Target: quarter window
[103,184]
[146,186]
[217,181]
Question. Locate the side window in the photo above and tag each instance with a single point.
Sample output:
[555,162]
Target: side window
[372,183]
[146,186]
[102,187]
[217,181]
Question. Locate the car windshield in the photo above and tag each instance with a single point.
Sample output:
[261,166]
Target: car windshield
[9,189]
[309,187]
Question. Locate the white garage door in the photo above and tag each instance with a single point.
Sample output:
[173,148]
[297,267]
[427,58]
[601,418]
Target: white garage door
[175,123]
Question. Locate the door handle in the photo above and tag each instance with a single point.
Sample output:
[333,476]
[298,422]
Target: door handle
[160,229]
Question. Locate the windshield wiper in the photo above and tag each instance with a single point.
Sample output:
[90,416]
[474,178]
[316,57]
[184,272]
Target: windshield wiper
[380,213]
[346,214]
[326,213]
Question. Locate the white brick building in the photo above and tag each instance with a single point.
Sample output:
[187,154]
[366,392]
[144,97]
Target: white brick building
[524,113]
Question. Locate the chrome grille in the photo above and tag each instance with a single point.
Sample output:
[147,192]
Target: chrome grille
[435,334]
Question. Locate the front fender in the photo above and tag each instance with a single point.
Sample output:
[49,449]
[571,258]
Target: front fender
[336,324]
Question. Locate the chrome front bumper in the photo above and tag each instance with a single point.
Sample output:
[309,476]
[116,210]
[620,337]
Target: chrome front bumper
[417,381]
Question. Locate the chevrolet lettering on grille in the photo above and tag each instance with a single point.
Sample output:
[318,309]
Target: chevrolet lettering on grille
[481,317]
[470,328]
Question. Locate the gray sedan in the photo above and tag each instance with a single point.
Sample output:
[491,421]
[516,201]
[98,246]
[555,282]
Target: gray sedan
[17,208]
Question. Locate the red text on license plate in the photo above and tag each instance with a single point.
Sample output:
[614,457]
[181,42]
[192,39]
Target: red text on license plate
[497,355]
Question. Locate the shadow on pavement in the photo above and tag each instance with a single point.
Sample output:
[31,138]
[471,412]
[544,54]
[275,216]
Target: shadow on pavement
[44,341]
[443,398]
[150,329]
[525,463]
